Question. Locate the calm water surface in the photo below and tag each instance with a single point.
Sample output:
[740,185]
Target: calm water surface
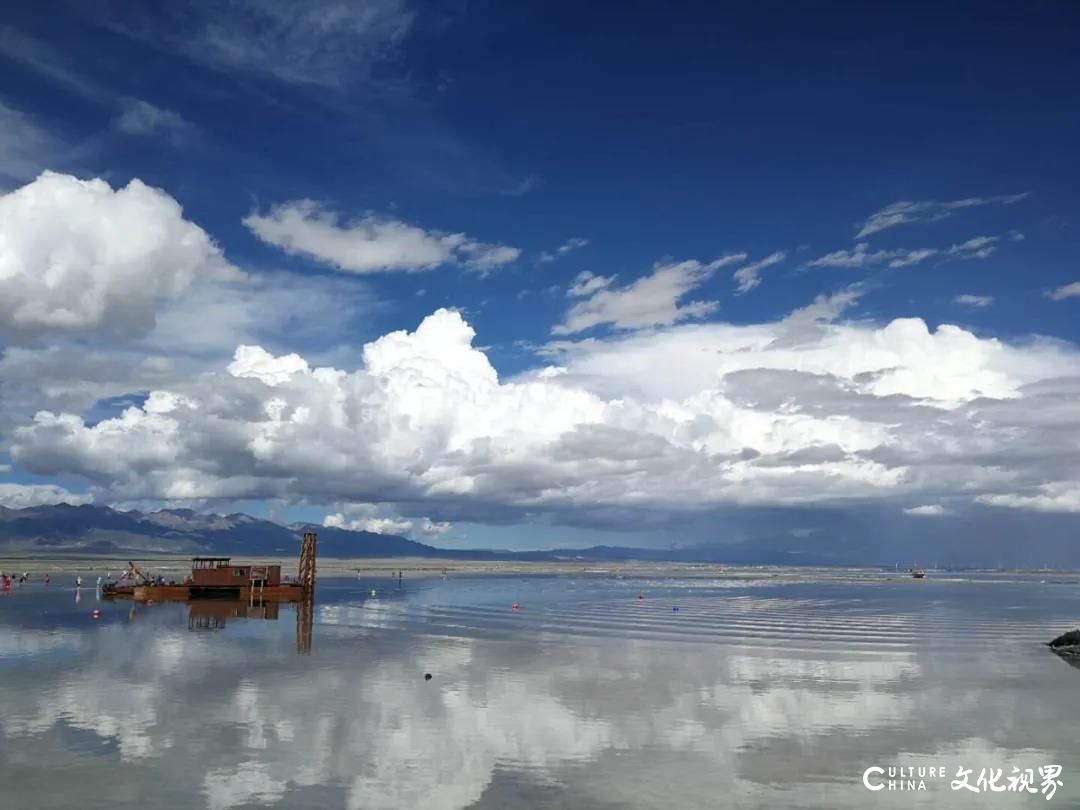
[765,693]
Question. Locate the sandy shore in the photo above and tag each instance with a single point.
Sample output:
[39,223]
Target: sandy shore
[375,566]
[176,567]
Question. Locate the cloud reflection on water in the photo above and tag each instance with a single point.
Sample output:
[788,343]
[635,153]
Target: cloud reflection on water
[236,719]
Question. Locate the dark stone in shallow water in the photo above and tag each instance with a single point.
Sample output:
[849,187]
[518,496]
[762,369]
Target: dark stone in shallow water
[1067,645]
[1070,639]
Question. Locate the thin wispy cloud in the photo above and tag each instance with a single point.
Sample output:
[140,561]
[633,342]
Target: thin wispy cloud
[1064,291]
[929,510]
[862,256]
[521,188]
[904,258]
[371,243]
[570,245]
[135,116]
[808,323]
[143,118]
[25,148]
[969,300]
[587,283]
[652,300]
[324,43]
[981,247]
[32,54]
[826,308]
[907,212]
[749,276]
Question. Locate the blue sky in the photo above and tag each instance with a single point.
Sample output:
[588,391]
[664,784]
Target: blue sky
[633,138]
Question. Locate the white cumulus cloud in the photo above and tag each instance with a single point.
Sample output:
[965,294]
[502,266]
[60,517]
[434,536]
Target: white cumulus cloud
[337,520]
[1057,496]
[369,517]
[21,496]
[78,257]
[433,528]
[804,410]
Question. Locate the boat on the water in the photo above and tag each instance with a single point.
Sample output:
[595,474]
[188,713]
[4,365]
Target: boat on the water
[219,578]
[918,573]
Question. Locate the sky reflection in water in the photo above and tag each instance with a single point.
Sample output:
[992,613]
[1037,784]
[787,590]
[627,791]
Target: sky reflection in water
[750,694]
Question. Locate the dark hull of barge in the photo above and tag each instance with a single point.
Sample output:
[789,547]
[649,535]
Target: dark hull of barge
[288,592]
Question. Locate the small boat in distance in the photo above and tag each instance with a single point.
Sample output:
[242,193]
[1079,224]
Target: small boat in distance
[918,573]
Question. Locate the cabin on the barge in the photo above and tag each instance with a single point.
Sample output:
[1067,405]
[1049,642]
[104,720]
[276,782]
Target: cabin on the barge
[219,572]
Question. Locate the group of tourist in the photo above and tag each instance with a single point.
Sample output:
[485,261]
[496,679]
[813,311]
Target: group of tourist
[7,580]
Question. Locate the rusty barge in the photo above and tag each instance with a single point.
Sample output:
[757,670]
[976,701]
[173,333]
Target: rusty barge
[219,578]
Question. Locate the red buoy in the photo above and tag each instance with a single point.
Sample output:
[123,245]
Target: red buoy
[96,613]
[516,606]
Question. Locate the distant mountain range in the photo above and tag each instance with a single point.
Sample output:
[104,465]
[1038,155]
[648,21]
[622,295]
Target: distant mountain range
[87,529]
[1000,539]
